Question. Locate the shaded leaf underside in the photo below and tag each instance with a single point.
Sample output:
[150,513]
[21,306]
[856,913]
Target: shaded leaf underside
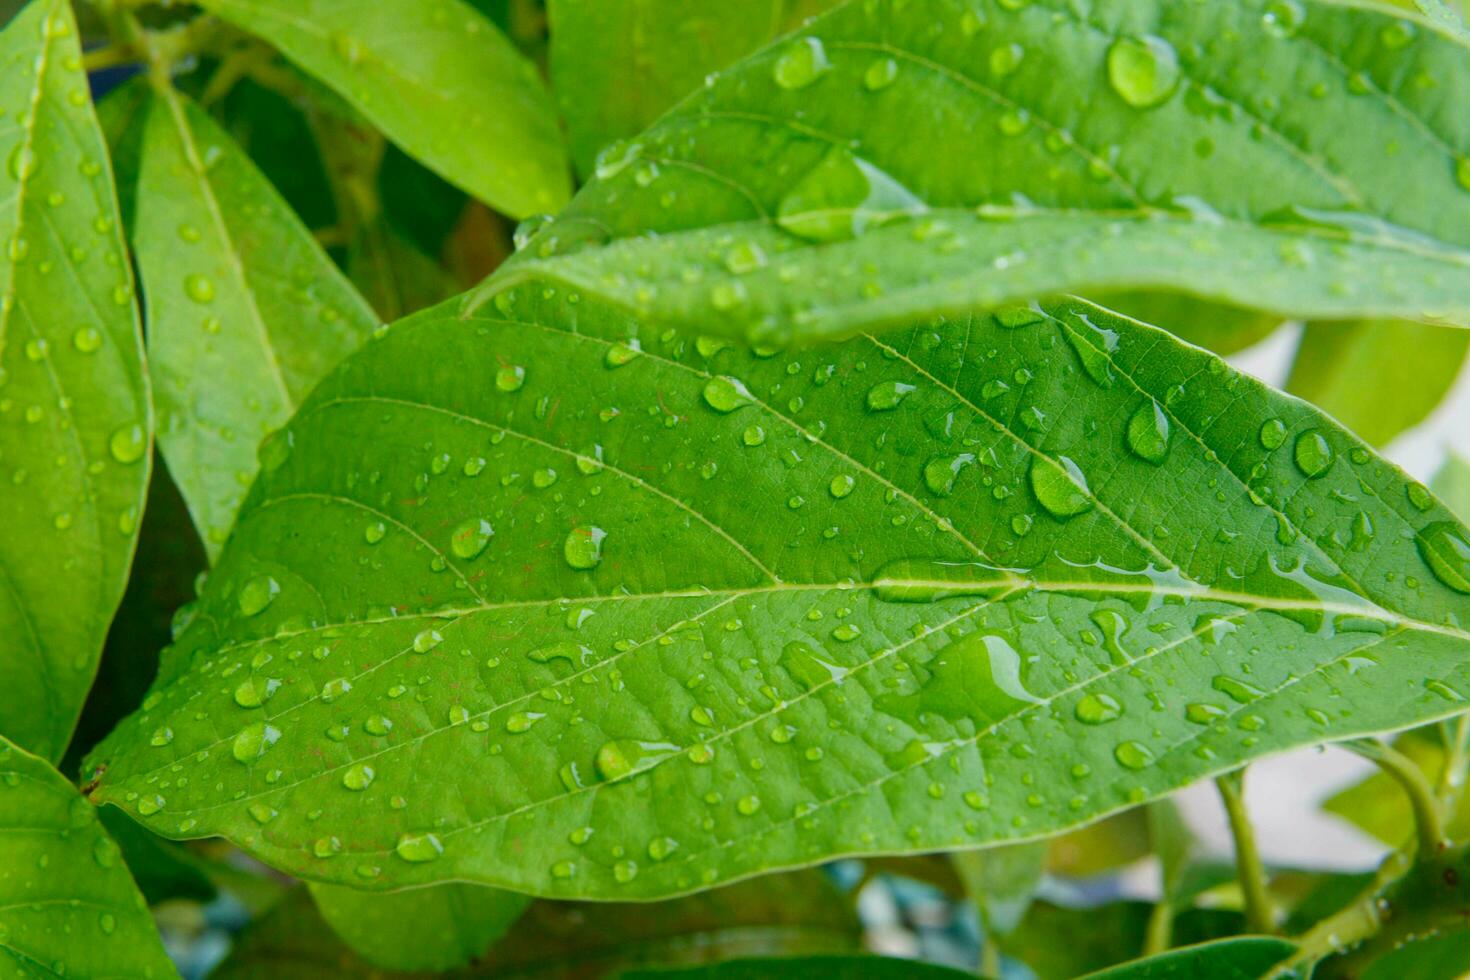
[951,586]
[1312,166]
[75,427]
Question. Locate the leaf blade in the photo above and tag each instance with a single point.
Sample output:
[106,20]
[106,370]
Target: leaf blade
[495,593]
[510,157]
[806,208]
[246,312]
[83,914]
[433,928]
[75,450]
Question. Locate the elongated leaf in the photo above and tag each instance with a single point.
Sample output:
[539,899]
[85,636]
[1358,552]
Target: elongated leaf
[617,66]
[438,78]
[773,916]
[75,425]
[1002,882]
[798,968]
[1433,959]
[245,311]
[1222,329]
[1245,958]
[1102,936]
[1377,377]
[67,904]
[902,159]
[431,928]
[716,613]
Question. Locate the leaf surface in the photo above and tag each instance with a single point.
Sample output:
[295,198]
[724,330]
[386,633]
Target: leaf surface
[67,904]
[245,311]
[567,577]
[616,67]
[75,426]
[435,76]
[799,967]
[772,916]
[1243,958]
[432,928]
[1377,377]
[1310,163]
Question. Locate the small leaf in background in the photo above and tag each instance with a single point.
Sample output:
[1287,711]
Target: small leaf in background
[162,869]
[616,67]
[830,184]
[1002,882]
[1223,329]
[1061,943]
[1246,958]
[438,78]
[1377,377]
[1002,575]
[785,915]
[804,967]
[75,426]
[67,904]
[245,311]
[1444,956]
[432,928]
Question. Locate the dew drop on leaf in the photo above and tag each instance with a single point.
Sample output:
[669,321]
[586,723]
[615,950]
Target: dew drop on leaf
[1097,709]
[582,548]
[1133,755]
[880,74]
[1144,71]
[1060,487]
[1446,551]
[1273,433]
[359,776]
[257,594]
[470,537]
[1148,432]
[128,443]
[724,394]
[841,197]
[1313,453]
[252,741]
[802,63]
[418,848]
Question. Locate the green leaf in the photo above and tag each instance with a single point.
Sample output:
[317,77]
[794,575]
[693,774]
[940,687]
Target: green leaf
[1002,882]
[1377,377]
[716,613]
[802,967]
[1452,483]
[617,66]
[162,869]
[1433,959]
[1245,958]
[122,114]
[438,78]
[1100,936]
[833,183]
[245,311]
[1222,329]
[431,928]
[772,916]
[394,276]
[67,904]
[75,425]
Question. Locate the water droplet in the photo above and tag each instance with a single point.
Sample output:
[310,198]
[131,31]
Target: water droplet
[1133,755]
[374,532]
[1097,709]
[1235,689]
[378,725]
[470,538]
[199,288]
[359,776]
[744,257]
[256,691]
[521,721]
[843,196]
[841,485]
[941,472]
[335,688]
[887,395]
[1420,497]
[252,741]
[724,394]
[583,547]
[510,377]
[1273,433]
[1313,453]
[802,63]
[257,594]
[1005,59]
[1283,17]
[1446,551]
[1060,487]
[623,757]
[754,435]
[880,74]
[87,340]
[748,805]
[1148,432]
[615,158]
[1204,714]
[619,354]
[1144,71]
[625,871]
[427,640]
[22,162]
[128,443]
[419,847]
[162,735]
[661,847]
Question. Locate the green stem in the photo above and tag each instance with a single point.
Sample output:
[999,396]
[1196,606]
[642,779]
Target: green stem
[1160,934]
[1451,783]
[109,56]
[1249,870]
[1422,799]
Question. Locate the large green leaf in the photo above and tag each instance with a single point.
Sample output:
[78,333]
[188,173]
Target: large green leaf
[803,967]
[1377,377]
[569,605]
[772,916]
[432,928]
[1245,958]
[617,66]
[245,311]
[438,78]
[901,159]
[75,425]
[67,904]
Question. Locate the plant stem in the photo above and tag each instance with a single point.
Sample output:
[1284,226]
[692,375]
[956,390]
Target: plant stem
[1160,934]
[1456,734]
[109,56]
[1422,800]
[1259,916]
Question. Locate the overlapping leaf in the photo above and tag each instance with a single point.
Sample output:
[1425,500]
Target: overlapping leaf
[900,159]
[432,928]
[438,78]
[560,602]
[67,904]
[75,427]
[617,66]
[245,311]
